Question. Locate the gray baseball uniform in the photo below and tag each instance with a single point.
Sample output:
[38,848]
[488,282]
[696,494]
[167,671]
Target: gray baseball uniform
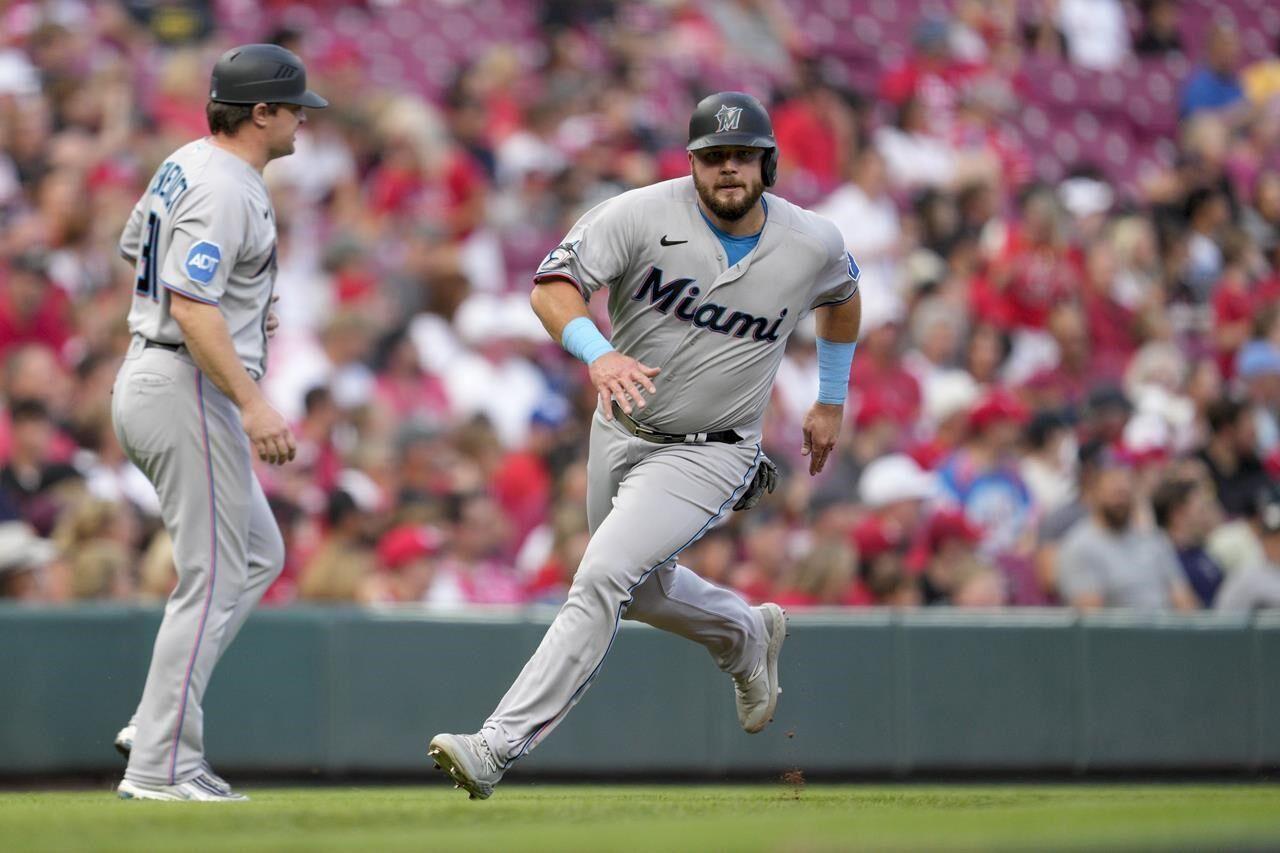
[204,229]
[718,333]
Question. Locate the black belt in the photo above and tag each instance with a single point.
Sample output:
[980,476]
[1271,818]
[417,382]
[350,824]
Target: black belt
[161,345]
[631,425]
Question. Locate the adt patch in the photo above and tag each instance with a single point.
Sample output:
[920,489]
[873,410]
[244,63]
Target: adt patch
[854,272]
[203,260]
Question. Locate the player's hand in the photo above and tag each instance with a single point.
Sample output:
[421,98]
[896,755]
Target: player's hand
[273,321]
[821,429]
[620,377]
[268,432]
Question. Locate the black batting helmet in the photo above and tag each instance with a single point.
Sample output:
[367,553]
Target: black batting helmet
[262,74]
[735,118]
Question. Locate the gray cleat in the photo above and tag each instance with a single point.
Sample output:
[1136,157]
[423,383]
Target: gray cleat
[469,761]
[757,694]
[198,790]
[124,746]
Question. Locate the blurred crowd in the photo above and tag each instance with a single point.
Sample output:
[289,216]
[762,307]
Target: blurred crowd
[1067,389]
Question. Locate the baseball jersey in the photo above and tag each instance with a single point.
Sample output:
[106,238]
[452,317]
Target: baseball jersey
[717,331]
[205,229]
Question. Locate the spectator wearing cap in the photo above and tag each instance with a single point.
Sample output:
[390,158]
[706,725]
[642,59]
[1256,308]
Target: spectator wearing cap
[1188,512]
[1258,368]
[894,489]
[946,553]
[982,477]
[1258,585]
[948,398]
[1215,85]
[1106,561]
[1231,454]
[406,561]
[882,572]
[24,561]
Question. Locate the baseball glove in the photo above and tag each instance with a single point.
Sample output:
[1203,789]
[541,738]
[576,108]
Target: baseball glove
[765,480]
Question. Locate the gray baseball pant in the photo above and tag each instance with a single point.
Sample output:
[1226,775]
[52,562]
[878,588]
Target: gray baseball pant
[187,437]
[645,503]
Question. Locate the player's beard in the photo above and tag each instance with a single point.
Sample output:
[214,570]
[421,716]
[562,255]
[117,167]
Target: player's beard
[730,211]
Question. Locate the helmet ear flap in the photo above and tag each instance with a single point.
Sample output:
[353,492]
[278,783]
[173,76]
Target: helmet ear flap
[769,167]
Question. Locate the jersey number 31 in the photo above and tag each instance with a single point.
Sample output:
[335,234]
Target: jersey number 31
[146,283]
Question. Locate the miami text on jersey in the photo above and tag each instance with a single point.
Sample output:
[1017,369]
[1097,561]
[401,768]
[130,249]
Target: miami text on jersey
[709,315]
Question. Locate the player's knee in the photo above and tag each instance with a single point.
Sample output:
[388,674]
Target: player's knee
[600,577]
[273,554]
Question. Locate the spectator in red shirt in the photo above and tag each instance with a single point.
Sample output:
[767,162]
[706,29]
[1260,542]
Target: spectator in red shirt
[1236,301]
[931,73]
[817,130]
[32,309]
[1036,269]
[879,366]
[1067,383]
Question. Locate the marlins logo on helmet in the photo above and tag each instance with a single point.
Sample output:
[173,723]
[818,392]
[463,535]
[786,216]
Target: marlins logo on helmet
[728,117]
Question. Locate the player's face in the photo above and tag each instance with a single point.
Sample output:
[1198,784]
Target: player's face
[728,179]
[282,129]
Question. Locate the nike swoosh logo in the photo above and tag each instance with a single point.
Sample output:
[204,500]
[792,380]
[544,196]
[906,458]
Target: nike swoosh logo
[664,241]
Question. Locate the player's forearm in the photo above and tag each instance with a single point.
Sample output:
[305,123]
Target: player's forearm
[837,327]
[557,303]
[205,333]
[840,323]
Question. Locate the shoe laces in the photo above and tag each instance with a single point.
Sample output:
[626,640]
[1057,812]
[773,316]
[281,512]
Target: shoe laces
[481,744]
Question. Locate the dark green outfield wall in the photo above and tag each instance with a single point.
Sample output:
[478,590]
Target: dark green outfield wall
[333,691]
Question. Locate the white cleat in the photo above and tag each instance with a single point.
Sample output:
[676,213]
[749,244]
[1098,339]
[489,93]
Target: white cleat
[468,761]
[124,746]
[198,789]
[757,694]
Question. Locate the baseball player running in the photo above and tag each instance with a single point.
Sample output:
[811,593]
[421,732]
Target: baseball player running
[186,404]
[708,277]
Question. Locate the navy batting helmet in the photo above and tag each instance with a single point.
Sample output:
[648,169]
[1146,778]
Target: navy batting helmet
[735,118]
[262,74]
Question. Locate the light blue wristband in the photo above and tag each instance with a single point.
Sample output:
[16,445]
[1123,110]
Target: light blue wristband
[834,361]
[583,340]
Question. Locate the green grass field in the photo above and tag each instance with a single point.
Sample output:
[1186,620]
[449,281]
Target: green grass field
[674,817]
